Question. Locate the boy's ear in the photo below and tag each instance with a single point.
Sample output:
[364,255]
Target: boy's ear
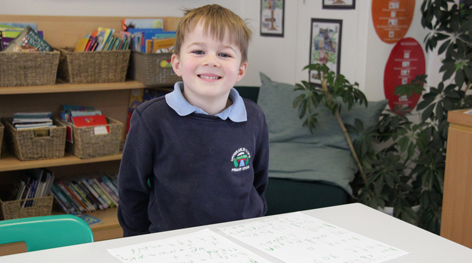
[242,71]
[176,64]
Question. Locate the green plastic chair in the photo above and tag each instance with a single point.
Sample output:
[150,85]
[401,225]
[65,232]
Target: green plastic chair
[45,232]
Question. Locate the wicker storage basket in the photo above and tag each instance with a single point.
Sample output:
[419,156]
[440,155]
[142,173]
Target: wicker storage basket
[93,67]
[27,145]
[152,69]
[86,144]
[28,69]
[42,206]
[2,128]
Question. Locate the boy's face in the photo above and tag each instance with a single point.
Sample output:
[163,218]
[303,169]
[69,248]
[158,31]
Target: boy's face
[209,68]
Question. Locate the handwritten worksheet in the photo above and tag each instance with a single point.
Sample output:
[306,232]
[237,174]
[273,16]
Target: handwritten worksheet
[201,246]
[297,237]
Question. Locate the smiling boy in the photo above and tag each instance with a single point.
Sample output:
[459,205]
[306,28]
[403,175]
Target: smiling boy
[200,154]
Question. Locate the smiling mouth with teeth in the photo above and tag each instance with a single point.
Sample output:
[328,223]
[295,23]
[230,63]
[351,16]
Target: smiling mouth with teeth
[209,77]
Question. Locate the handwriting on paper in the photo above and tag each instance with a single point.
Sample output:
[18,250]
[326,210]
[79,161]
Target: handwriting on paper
[297,237]
[201,246]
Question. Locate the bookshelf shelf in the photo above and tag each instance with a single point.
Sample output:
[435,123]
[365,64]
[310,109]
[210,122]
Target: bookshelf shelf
[66,87]
[9,162]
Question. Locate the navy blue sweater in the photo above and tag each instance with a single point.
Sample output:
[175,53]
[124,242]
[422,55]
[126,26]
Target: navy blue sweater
[179,172]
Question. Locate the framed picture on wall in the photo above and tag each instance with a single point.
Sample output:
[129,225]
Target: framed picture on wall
[325,46]
[339,4]
[272,18]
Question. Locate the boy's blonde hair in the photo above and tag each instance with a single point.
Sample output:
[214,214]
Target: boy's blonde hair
[217,21]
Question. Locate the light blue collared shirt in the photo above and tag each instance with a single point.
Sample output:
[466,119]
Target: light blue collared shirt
[235,112]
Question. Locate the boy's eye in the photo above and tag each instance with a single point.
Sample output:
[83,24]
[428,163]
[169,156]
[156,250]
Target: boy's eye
[198,52]
[225,55]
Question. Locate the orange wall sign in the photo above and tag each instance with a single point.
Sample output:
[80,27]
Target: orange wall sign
[404,63]
[392,18]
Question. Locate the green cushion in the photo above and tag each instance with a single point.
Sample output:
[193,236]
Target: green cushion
[308,162]
[276,100]
[295,152]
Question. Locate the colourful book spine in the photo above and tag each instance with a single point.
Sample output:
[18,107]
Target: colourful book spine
[107,190]
[99,190]
[90,195]
[32,193]
[67,196]
[71,196]
[85,195]
[62,200]
[83,200]
[94,193]
[110,184]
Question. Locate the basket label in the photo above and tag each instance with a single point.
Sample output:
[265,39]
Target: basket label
[100,130]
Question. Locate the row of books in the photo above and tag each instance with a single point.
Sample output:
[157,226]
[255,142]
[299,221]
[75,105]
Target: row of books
[143,35]
[32,120]
[103,39]
[70,112]
[34,183]
[148,35]
[152,40]
[87,194]
[22,37]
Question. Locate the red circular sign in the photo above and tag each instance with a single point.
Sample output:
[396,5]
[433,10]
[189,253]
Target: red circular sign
[404,63]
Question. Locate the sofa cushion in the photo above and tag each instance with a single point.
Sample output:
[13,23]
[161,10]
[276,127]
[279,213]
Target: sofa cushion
[297,153]
[276,100]
[304,161]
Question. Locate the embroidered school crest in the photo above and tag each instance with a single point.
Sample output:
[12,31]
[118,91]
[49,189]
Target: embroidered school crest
[240,160]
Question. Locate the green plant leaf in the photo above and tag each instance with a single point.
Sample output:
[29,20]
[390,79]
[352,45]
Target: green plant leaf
[425,102]
[428,112]
[459,78]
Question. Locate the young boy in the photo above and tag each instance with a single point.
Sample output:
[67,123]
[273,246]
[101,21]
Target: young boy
[200,155]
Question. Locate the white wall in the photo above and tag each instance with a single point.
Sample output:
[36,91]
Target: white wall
[354,36]
[363,54]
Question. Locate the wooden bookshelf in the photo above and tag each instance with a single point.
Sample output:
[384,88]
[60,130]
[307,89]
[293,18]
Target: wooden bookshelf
[457,202]
[111,98]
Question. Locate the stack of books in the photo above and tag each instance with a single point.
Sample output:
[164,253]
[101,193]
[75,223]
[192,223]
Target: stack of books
[34,183]
[9,31]
[32,120]
[87,194]
[103,39]
[22,37]
[148,35]
[82,116]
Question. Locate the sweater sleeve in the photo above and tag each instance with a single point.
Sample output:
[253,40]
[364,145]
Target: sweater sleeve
[261,162]
[135,170]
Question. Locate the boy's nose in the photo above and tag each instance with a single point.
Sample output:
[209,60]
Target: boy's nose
[211,60]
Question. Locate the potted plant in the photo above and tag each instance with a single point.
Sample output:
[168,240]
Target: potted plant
[410,169]
[383,178]
[450,26]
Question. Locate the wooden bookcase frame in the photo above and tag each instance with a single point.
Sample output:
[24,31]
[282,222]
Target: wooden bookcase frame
[111,98]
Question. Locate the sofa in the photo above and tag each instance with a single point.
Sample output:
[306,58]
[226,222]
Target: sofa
[307,169]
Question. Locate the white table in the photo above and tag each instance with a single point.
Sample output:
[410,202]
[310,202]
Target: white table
[422,246]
